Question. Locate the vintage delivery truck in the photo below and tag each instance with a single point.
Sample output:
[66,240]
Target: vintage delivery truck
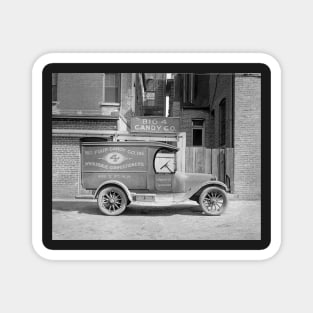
[120,173]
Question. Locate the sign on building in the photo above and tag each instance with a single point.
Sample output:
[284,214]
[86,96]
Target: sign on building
[155,124]
[150,95]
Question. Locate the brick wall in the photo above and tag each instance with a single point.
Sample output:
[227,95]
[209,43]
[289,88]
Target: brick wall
[65,167]
[66,158]
[247,136]
[243,128]
[187,116]
[84,124]
[178,107]
[139,95]
[175,109]
[160,90]
[210,91]
[80,92]
[127,96]
[220,89]
[156,107]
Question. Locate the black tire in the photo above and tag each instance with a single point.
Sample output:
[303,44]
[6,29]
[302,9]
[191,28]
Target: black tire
[112,201]
[213,201]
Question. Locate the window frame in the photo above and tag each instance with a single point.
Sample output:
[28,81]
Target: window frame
[104,102]
[222,123]
[169,152]
[198,127]
[54,85]
[189,82]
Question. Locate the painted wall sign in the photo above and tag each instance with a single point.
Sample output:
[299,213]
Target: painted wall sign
[114,159]
[150,95]
[155,124]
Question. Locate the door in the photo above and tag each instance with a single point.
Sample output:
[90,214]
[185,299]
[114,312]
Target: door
[165,167]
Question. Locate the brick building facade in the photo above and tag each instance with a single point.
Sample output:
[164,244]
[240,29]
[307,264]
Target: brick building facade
[247,135]
[86,106]
[204,103]
[150,94]
[221,111]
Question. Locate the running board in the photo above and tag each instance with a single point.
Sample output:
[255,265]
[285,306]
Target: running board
[144,197]
[159,198]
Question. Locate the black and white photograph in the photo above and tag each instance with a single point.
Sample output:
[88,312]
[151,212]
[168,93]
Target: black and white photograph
[156,156]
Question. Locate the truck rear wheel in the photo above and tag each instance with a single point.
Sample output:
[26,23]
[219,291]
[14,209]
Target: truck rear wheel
[213,201]
[112,201]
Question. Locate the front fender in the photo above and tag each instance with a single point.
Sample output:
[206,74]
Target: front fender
[194,191]
[115,183]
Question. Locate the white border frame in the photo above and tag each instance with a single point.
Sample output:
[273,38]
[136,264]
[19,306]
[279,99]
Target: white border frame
[171,255]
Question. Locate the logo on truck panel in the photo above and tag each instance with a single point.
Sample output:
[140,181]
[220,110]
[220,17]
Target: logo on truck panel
[114,158]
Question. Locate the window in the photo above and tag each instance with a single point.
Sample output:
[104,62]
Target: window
[93,139]
[198,132]
[150,93]
[195,87]
[190,88]
[150,84]
[112,88]
[165,161]
[222,115]
[179,87]
[54,88]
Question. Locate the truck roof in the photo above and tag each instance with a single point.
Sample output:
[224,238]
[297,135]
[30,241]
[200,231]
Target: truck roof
[133,144]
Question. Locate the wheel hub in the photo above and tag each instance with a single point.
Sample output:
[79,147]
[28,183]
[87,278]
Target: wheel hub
[111,202]
[213,201]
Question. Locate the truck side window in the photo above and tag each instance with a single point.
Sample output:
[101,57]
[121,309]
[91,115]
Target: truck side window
[165,161]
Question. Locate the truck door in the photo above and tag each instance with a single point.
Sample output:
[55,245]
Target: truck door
[164,166]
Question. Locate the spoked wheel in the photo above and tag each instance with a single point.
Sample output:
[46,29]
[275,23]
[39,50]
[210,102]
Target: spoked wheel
[213,201]
[112,201]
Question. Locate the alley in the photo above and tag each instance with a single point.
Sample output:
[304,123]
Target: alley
[83,221]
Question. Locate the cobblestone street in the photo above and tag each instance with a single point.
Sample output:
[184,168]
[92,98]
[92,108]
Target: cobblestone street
[83,221]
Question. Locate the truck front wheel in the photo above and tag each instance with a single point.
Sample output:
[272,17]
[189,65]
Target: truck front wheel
[213,201]
[112,201]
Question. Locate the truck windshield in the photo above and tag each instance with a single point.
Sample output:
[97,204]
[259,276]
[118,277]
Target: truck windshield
[165,161]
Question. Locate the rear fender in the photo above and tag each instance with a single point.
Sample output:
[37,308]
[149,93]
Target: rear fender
[195,192]
[117,184]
